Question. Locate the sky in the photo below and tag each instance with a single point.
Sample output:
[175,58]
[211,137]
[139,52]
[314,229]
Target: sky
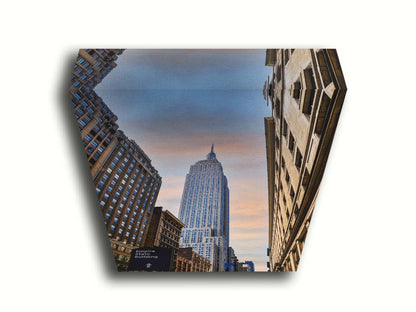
[176,103]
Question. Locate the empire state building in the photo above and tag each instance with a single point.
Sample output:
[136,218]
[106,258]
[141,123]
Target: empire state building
[205,211]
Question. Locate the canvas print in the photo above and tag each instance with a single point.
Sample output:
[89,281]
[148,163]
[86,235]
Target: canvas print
[207,160]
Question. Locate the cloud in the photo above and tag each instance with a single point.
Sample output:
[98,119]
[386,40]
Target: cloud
[190,69]
[253,235]
[227,146]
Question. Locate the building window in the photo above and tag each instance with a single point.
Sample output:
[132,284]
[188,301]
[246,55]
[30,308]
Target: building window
[323,68]
[284,128]
[298,160]
[296,90]
[82,123]
[322,113]
[277,108]
[305,179]
[291,142]
[309,78]
[309,94]
[278,73]
[287,56]
[296,211]
[308,102]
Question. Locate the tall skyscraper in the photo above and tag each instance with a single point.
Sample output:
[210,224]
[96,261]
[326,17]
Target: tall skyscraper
[205,211]
[126,183]
[96,122]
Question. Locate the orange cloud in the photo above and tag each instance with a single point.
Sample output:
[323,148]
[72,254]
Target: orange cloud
[254,235]
[169,193]
[226,144]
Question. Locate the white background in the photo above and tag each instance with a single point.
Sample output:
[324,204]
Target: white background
[360,251]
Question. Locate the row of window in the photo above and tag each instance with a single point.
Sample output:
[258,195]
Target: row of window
[84,72]
[125,182]
[291,145]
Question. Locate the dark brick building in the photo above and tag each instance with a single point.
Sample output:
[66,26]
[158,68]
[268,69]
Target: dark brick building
[164,231]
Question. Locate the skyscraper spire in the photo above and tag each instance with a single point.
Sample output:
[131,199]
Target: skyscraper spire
[205,211]
[212,155]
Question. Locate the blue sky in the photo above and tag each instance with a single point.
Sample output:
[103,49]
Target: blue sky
[175,103]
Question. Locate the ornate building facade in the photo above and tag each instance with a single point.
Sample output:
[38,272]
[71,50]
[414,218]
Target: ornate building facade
[190,261]
[205,211]
[165,231]
[306,92]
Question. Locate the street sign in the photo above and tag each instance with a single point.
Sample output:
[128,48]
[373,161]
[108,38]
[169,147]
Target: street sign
[150,259]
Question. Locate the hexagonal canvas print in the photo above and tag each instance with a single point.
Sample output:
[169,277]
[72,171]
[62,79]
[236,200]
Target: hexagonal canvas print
[207,160]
